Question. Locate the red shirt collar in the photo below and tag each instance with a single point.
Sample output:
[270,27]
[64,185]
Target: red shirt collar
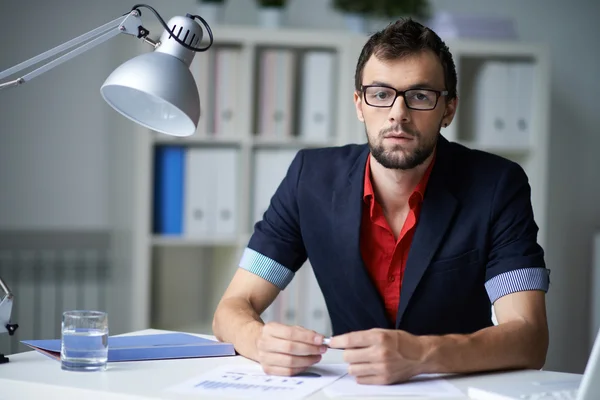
[417,195]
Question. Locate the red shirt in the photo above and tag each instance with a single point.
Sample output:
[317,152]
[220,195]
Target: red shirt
[385,257]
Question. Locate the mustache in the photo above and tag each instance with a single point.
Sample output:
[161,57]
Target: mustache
[399,128]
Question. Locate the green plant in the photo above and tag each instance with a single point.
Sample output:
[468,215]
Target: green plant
[354,6]
[271,3]
[401,8]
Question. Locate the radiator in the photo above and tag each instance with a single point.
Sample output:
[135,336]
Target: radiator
[48,273]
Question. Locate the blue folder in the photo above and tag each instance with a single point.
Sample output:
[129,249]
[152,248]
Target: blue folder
[169,170]
[147,347]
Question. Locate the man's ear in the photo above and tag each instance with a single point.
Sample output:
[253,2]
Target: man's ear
[358,104]
[450,112]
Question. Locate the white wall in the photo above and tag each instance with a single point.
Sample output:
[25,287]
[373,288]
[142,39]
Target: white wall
[54,151]
[53,142]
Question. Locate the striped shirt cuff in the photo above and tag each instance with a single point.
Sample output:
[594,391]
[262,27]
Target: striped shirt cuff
[517,281]
[266,268]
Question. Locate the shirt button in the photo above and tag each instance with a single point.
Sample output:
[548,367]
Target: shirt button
[391,278]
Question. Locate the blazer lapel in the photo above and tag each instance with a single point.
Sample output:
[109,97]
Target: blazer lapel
[347,215]
[439,206]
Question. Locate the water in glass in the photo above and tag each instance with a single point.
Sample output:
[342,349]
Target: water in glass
[84,345]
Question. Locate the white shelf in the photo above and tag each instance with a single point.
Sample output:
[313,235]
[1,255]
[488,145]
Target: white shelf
[288,142]
[254,141]
[173,241]
[289,37]
[198,139]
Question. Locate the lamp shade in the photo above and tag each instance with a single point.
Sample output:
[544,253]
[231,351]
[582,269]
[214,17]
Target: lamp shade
[156,90]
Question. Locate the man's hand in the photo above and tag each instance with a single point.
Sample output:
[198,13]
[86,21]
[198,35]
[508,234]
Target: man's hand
[380,356]
[288,350]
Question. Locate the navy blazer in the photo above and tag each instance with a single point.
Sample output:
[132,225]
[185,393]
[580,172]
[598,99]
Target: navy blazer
[475,240]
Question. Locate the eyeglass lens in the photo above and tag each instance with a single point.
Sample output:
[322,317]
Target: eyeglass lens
[420,99]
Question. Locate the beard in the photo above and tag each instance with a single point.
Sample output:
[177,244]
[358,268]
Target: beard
[398,156]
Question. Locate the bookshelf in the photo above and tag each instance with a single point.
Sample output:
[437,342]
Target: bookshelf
[175,281]
[527,144]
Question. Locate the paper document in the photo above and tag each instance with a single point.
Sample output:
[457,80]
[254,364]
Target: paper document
[249,381]
[426,385]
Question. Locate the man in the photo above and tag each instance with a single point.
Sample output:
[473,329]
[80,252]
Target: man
[412,238]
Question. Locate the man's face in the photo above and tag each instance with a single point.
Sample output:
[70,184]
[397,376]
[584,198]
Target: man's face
[400,137]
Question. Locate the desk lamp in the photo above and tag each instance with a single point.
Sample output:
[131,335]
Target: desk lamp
[5,311]
[155,89]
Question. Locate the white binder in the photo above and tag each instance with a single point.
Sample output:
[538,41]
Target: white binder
[491,104]
[263,186]
[199,197]
[226,184]
[521,84]
[225,92]
[210,192]
[317,96]
[270,167]
[276,90]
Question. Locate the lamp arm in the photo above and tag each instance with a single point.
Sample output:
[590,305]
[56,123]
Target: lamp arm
[131,25]
[6,300]
[5,288]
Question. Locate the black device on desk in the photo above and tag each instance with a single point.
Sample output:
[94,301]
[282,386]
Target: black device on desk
[6,300]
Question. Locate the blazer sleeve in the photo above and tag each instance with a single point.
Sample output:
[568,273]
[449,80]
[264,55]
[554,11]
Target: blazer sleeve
[276,249]
[516,260]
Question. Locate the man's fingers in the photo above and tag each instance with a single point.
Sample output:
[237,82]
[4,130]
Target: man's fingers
[276,345]
[372,380]
[355,339]
[289,361]
[293,333]
[362,369]
[371,374]
[361,355]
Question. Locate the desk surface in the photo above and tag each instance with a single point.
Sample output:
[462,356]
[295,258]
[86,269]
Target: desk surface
[33,375]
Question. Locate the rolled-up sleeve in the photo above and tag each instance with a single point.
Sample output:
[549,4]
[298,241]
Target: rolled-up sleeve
[516,261]
[516,281]
[276,249]
[267,268]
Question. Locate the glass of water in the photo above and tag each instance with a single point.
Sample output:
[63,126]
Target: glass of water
[84,343]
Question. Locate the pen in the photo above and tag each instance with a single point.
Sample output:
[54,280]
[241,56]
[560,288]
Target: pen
[326,341]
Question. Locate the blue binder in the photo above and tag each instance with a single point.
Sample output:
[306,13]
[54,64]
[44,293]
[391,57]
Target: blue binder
[169,168]
[147,347]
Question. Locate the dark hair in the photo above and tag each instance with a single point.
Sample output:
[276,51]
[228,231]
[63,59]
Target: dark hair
[403,38]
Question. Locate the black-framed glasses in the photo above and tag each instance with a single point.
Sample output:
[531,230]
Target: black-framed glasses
[415,99]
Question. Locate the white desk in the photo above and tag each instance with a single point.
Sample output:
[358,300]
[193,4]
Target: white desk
[31,375]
